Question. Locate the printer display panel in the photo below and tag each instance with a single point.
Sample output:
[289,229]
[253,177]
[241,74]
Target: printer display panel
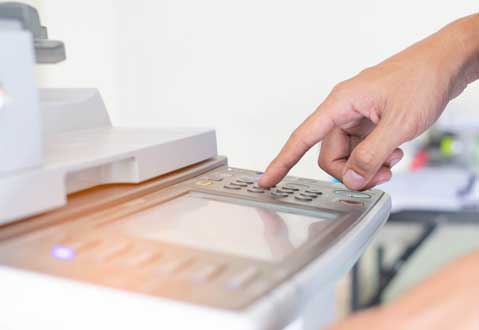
[218,226]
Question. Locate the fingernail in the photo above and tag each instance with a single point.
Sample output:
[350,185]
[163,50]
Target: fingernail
[353,180]
[394,162]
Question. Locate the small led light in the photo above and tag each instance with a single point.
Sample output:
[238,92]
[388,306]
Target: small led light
[63,253]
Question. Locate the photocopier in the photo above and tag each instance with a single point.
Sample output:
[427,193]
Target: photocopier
[105,227]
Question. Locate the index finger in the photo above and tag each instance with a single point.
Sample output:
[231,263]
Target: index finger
[309,133]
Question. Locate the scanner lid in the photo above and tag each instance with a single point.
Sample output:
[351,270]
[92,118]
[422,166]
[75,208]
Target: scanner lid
[84,150]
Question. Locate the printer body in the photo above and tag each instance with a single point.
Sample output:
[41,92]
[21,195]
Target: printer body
[148,228]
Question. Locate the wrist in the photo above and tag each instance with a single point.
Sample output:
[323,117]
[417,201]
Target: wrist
[462,54]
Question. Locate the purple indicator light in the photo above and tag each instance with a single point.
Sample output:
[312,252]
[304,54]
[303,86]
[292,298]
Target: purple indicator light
[63,253]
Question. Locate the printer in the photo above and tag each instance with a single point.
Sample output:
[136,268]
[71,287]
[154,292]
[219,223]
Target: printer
[106,227]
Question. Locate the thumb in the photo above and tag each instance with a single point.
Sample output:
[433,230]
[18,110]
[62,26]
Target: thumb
[368,157]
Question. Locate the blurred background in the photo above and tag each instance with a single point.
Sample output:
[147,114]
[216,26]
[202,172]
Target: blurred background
[253,70]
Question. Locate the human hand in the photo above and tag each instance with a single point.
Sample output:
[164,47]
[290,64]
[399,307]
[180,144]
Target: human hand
[364,120]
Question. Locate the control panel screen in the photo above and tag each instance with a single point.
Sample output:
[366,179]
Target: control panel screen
[228,228]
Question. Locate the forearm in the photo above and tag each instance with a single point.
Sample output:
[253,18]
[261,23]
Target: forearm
[451,54]
[460,41]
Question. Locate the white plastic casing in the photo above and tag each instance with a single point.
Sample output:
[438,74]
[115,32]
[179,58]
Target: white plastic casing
[83,150]
[57,304]
[21,137]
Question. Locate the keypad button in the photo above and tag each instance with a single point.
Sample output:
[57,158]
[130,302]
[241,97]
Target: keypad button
[281,191]
[242,278]
[260,188]
[278,194]
[232,187]
[351,203]
[141,258]
[290,188]
[257,191]
[246,179]
[110,251]
[203,273]
[204,183]
[297,185]
[238,184]
[172,266]
[308,195]
[303,199]
[215,177]
[313,191]
[352,194]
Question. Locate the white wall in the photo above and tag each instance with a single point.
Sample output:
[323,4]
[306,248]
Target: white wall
[253,69]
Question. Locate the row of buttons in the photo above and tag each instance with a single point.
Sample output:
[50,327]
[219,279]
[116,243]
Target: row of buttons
[126,256]
[300,191]
[245,179]
[306,195]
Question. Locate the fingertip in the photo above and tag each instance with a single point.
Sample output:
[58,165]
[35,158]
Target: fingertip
[266,180]
[261,181]
[271,176]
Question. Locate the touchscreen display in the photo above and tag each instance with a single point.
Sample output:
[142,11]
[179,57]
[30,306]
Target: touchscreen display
[227,228]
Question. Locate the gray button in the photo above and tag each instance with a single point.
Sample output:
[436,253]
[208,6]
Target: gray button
[303,199]
[259,188]
[246,179]
[308,195]
[281,191]
[278,194]
[297,185]
[352,194]
[238,184]
[214,177]
[232,187]
[291,188]
[351,203]
[253,190]
[313,191]
[242,278]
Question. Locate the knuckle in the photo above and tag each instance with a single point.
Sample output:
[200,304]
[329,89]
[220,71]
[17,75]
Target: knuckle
[323,162]
[339,89]
[325,165]
[345,86]
[364,159]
